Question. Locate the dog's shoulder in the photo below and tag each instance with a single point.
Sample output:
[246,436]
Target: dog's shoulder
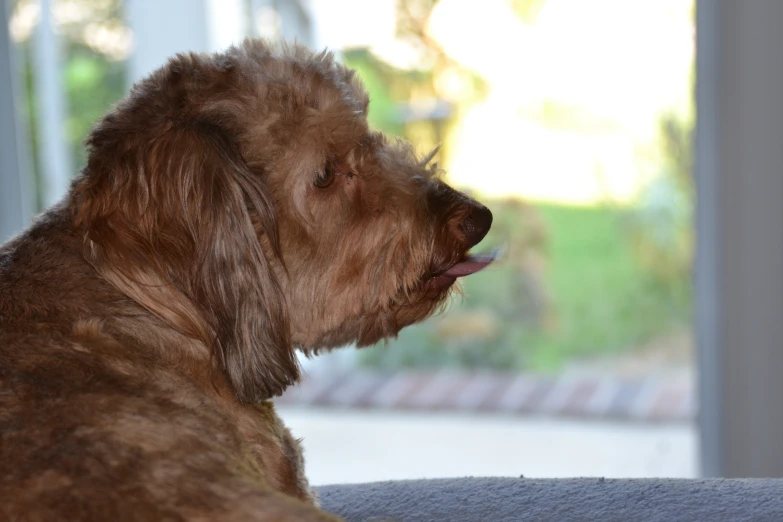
[46,285]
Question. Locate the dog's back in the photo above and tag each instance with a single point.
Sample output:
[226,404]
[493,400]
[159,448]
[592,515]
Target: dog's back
[93,427]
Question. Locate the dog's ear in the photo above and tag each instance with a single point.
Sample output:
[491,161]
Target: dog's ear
[177,223]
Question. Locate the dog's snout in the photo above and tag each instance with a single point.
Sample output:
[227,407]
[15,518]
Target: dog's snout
[477,224]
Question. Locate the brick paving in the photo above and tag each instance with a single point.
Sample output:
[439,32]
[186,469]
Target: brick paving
[647,399]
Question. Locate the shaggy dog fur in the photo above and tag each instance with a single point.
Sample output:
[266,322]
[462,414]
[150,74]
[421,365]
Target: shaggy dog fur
[234,208]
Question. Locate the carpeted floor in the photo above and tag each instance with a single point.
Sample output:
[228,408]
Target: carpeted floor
[561,500]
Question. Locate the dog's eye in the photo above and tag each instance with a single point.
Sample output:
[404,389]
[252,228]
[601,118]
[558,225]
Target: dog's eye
[325,178]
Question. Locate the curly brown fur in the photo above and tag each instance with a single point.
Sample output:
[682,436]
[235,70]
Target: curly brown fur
[234,208]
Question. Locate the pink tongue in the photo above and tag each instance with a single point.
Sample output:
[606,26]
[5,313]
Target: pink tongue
[471,265]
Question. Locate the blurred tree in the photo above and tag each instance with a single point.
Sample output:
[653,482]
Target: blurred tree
[508,305]
[661,223]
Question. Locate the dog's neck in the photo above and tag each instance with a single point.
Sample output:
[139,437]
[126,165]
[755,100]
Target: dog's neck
[48,258]
[45,281]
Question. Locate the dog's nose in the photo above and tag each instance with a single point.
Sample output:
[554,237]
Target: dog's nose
[477,224]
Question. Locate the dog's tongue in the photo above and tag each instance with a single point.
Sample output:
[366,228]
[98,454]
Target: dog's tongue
[472,264]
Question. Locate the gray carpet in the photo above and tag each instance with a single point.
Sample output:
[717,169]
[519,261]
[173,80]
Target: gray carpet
[561,500]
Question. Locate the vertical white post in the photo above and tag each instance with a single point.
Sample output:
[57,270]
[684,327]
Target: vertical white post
[53,153]
[163,28]
[16,201]
[739,267]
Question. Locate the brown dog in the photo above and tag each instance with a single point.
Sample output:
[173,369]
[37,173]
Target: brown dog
[234,208]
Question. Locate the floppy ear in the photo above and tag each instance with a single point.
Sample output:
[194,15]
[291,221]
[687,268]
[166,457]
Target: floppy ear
[172,224]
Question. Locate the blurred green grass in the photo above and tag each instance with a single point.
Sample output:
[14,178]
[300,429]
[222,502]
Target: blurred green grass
[605,300]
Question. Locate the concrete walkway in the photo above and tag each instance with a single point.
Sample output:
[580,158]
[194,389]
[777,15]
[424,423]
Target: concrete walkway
[348,446]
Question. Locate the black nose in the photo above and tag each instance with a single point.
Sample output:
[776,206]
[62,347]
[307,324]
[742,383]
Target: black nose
[477,224]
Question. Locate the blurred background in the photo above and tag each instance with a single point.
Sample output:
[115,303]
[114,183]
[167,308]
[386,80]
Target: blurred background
[571,120]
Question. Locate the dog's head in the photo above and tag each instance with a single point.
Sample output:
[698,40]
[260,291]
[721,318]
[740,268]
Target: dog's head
[242,198]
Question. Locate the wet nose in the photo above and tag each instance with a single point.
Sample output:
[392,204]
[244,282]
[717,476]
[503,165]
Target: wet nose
[477,224]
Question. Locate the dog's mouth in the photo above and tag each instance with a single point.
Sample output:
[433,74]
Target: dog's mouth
[469,265]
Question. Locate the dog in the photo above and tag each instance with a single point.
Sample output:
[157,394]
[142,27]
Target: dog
[235,208]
